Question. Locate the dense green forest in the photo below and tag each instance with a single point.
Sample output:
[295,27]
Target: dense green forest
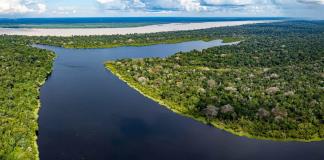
[269,86]
[22,70]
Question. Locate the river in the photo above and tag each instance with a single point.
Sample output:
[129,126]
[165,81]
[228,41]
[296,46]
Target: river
[88,113]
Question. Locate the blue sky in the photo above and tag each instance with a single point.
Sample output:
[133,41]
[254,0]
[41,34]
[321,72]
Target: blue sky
[128,8]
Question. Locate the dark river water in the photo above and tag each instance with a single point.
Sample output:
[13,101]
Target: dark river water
[88,113]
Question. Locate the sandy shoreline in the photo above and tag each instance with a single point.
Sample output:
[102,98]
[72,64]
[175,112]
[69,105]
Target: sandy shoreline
[122,31]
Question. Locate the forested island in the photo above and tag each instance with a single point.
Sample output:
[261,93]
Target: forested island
[270,86]
[23,69]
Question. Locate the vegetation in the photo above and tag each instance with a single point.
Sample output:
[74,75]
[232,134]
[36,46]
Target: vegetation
[109,41]
[22,70]
[269,86]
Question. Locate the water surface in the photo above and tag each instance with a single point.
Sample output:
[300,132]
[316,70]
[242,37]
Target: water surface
[88,113]
[111,20]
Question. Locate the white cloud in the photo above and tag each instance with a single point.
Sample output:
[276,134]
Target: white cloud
[191,5]
[21,6]
[41,8]
[121,4]
[153,5]
[227,2]
[66,10]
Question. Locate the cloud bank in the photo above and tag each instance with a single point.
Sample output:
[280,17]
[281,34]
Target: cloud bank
[231,8]
[21,6]
[243,7]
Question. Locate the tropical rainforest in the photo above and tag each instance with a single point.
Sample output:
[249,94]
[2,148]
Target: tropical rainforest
[270,86]
[22,70]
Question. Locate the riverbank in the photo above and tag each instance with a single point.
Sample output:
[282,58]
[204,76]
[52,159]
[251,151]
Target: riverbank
[67,32]
[36,111]
[24,71]
[184,112]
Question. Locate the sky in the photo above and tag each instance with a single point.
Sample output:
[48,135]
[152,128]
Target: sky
[188,8]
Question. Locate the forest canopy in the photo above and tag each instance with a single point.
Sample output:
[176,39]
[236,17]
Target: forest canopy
[269,86]
[22,70]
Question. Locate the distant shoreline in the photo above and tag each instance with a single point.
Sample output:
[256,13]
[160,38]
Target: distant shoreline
[67,32]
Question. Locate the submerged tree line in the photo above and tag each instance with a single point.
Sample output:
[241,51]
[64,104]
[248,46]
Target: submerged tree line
[271,85]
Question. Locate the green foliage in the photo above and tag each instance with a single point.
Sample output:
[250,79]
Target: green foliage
[22,70]
[109,41]
[268,86]
[321,131]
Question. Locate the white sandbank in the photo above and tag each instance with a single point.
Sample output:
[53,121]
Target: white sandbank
[121,31]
